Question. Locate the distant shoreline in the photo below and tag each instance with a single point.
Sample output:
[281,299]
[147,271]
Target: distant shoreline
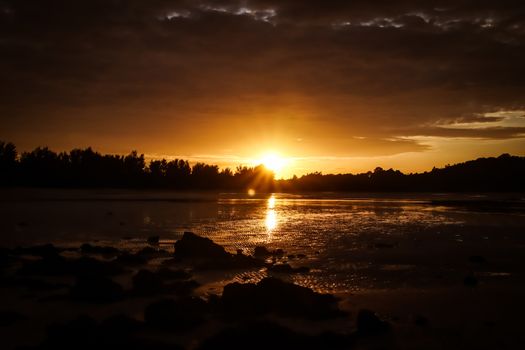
[85,168]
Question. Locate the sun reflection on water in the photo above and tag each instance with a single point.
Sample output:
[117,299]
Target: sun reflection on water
[270,221]
[271,202]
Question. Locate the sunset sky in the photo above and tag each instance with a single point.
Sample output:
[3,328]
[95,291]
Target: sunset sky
[331,86]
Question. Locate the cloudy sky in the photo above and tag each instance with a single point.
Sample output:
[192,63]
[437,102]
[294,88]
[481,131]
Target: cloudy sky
[334,86]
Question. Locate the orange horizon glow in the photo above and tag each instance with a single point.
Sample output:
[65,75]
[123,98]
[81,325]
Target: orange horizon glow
[273,162]
[295,89]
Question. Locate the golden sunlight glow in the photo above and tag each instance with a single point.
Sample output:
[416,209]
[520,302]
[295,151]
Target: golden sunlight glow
[271,220]
[274,162]
[271,216]
[271,202]
[251,192]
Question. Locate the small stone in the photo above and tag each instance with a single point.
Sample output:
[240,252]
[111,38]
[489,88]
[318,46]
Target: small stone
[368,323]
[153,240]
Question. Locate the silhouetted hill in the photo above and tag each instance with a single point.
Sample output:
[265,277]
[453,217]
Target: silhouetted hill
[505,173]
[87,168]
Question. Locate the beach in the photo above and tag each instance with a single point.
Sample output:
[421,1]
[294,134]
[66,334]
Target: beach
[443,271]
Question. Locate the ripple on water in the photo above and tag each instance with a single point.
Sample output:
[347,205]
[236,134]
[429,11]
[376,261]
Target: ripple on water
[338,235]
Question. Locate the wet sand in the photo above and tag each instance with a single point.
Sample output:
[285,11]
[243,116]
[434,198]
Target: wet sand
[456,282]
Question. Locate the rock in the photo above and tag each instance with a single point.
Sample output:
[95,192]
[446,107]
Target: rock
[278,252]
[88,266]
[48,266]
[286,268]
[203,253]
[296,256]
[264,335]
[193,246]
[170,274]
[181,288]
[32,284]
[381,245]
[470,280]
[141,257]
[78,331]
[121,325]
[263,252]
[128,259]
[420,321]
[477,259]
[151,253]
[9,317]
[153,240]
[117,332]
[369,324]
[87,248]
[178,315]
[56,265]
[5,257]
[44,250]
[272,295]
[147,283]
[96,289]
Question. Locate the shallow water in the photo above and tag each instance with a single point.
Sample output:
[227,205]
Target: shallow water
[351,241]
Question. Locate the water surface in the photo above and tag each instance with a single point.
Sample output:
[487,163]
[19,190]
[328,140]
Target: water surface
[351,241]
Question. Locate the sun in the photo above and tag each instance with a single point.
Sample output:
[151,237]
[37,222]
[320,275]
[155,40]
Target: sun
[273,161]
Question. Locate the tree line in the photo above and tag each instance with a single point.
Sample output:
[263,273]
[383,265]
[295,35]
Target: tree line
[87,168]
[82,168]
[505,173]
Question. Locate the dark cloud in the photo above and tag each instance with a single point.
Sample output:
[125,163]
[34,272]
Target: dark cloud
[375,69]
[497,132]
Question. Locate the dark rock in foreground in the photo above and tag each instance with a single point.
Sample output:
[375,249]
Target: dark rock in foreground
[151,253]
[203,253]
[191,246]
[271,295]
[368,323]
[153,240]
[57,265]
[262,252]
[96,289]
[477,259]
[87,248]
[286,268]
[470,280]
[129,259]
[117,332]
[176,314]
[146,283]
[421,321]
[44,250]
[5,257]
[9,317]
[33,284]
[266,335]
[121,324]
[170,274]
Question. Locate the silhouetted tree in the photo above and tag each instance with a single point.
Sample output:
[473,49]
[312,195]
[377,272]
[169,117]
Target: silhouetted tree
[178,174]
[8,163]
[43,167]
[87,168]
